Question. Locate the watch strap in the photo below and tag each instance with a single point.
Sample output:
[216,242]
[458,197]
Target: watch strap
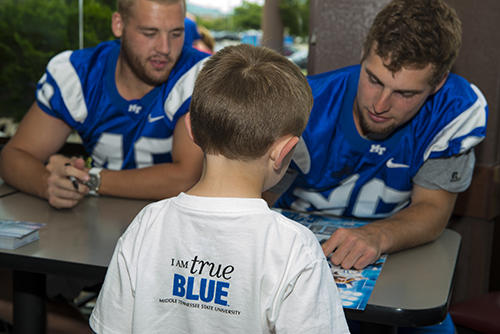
[95,171]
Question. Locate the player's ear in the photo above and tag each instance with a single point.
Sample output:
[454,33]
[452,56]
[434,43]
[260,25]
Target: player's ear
[283,151]
[187,123]
[117,24]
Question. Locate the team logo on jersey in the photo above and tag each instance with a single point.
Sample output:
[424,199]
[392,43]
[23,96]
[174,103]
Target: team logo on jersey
[391,164]
[135,108]
[377,148]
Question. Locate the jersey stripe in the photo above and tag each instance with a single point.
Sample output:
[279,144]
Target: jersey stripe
[45,91]
[466,122]
[182,90]
[63,72]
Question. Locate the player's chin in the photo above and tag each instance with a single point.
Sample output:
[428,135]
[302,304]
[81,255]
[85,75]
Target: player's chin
[381,129]
[157,78]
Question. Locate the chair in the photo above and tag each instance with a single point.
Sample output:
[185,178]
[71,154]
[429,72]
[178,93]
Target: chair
[477,315]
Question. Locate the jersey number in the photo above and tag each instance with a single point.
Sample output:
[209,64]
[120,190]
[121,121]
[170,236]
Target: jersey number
[366,203]
[109,149]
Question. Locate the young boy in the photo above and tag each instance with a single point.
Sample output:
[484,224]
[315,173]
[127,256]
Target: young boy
[216,259]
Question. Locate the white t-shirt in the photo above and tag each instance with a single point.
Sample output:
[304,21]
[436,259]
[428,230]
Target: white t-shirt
[217,265]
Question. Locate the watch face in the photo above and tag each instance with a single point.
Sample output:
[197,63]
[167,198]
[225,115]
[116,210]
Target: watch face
[93,183]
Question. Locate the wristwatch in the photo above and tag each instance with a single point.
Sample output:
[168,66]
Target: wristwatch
[95,181]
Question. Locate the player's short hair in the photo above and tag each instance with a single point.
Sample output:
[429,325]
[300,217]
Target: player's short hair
[415,33]
[245,98]
[126,7]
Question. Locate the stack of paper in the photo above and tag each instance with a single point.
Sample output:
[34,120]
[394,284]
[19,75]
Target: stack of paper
[15,233]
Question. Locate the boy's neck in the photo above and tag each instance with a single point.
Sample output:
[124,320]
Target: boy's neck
[224,177]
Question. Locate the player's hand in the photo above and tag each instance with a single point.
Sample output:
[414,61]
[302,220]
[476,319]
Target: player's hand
[60,189]
[58,160]
[353,247]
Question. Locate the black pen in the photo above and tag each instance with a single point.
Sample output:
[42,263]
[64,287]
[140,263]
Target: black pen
[72,178]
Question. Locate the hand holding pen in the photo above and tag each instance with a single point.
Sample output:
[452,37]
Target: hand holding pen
[61,193]
[84,168]
[72,178]
[79,164]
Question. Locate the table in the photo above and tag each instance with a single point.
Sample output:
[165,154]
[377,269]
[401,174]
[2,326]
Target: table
[76,242]
[5,189]
[413,289]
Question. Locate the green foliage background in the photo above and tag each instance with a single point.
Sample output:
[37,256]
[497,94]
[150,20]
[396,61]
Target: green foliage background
[32,32]
[247,16]
[294,13]
[295,16]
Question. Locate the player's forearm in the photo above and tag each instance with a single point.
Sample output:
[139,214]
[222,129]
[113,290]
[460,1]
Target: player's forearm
[416,225]
[155,182]
[23,171]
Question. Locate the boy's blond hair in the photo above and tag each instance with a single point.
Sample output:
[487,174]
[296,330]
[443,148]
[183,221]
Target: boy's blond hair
[245,98]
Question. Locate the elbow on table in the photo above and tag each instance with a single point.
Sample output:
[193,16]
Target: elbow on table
[3,160]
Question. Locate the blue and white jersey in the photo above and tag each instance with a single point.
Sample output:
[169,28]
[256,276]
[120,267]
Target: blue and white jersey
[79,88]
[342,173]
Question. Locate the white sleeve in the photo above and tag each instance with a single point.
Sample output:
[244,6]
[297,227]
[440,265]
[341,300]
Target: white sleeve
[114,307]
[313,304]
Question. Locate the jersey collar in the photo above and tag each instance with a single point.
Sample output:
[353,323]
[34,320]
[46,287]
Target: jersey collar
[117,99]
